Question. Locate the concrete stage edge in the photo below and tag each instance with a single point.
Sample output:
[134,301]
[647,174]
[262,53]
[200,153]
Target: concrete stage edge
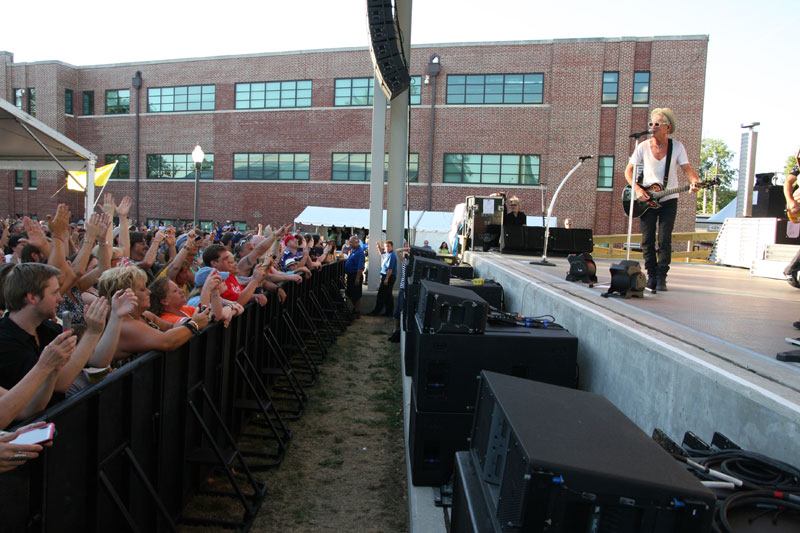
[657,370]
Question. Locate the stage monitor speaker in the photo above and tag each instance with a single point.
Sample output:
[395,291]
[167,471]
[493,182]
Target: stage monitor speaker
[419,251]
[565,460]
[446,367]
[445,309]
[470,513]
[484,222]
[626,280]
[770,202]
[582,268]
[386,48]
[489,290]
[462,271]
[562,240]
[433,440]
[429,269]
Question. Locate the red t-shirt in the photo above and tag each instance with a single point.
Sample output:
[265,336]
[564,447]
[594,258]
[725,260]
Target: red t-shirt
[234,289]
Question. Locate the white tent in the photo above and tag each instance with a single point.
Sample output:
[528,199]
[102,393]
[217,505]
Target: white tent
[432,226]
[28,144]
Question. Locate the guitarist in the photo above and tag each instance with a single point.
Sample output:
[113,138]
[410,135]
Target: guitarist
[660,158]
[792,206]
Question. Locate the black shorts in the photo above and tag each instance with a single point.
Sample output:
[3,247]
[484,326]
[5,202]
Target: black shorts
[353,289]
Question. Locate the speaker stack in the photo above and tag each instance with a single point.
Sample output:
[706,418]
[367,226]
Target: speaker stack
[547,458]
[484,222]
[453,343]
[386,48]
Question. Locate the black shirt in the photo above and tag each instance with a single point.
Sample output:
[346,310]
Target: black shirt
[19,351]
[509,219]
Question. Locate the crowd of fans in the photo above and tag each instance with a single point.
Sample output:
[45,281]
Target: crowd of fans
[79,300]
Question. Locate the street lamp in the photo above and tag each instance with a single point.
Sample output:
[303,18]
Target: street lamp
[197,157]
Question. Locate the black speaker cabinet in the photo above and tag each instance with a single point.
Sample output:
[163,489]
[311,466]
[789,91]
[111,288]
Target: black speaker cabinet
[565,460]
[462,271]
[430,269]
[489,290]
[445,309]
[484,222]
[470,513]
[770,201]
[386,49]
[446,369]
[410,353]
[433,440]
[563,241]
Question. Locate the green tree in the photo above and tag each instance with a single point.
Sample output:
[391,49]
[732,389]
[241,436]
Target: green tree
[715,162]
[791,161]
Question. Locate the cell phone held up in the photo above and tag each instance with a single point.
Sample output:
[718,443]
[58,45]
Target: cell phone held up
[66,321]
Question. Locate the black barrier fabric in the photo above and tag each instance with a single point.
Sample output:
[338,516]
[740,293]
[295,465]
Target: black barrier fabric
[128,453]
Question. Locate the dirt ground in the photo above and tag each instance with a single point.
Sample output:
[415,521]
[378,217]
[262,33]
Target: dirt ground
[345,466]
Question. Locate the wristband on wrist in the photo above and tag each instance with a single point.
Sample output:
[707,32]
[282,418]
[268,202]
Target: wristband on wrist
[191,325]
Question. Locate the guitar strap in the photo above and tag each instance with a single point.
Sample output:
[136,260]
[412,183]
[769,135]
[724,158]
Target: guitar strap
[669,160]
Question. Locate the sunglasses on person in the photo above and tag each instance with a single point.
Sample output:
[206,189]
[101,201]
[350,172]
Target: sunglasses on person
[513,205]
[657,124]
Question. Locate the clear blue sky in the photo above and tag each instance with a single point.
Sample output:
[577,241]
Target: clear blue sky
[753,69]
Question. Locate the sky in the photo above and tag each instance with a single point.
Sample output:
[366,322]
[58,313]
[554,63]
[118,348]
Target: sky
[752,74]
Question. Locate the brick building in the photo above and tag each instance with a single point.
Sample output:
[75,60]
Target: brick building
[285,130]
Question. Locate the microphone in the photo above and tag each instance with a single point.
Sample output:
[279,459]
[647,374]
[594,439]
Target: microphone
[641,133]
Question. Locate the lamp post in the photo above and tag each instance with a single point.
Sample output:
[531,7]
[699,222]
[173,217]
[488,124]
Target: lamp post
[197,157]
[433,71]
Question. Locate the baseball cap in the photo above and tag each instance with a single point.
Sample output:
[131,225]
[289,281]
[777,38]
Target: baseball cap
[202,275]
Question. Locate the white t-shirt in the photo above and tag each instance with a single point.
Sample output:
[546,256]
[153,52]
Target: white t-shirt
[654,169]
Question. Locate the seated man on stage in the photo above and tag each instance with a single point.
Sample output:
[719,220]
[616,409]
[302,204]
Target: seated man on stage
[514,217]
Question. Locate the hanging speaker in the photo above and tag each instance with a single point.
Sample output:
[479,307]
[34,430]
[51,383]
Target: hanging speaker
[627,280]
[582,268]
[386,48]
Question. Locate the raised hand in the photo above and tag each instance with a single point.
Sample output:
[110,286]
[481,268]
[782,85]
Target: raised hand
[60,222]
[95,316]
[57,353]
[123,302]
[124,207]
[169,236]
[108,204]
[35,233]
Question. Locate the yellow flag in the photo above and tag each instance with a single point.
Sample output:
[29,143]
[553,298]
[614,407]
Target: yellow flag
[76,181]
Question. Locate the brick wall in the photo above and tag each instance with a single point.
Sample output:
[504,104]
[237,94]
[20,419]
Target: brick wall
[571,122]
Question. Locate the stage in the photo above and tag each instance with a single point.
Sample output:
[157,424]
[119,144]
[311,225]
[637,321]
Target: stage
[698,357]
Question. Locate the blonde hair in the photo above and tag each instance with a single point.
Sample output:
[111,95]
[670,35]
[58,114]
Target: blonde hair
[668,114]
[118,278]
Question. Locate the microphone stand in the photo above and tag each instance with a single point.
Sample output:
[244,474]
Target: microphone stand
[543,261]
[636,136]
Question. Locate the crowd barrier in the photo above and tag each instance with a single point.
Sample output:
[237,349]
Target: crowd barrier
[132,451]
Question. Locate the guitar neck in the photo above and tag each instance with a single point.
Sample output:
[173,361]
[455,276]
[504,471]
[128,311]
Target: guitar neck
[667,192]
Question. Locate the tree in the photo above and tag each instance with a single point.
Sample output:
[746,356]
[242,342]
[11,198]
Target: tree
[791,161]
[715,162]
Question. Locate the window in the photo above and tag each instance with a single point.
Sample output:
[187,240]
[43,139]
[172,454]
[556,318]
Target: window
[177,166]
[122,170]
[495,89]
[414,94]
[353,91]
[32,179]
[88,102]
[605,171]
[491,168]
[32,101]
[241,226]
[17,179]
[641,87]
[18,98]
[68,102]
[118,101]
[273,94]
[356,167]
[191,98]
[610,87]
[271,166]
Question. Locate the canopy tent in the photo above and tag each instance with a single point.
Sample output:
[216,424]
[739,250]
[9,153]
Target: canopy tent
[28,144]
[432,226]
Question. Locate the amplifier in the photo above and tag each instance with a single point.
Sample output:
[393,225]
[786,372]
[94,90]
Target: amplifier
[470,513]
[430,269]
[565,460]
[433,440]
[445,369]
[489,290]
[445,309]
[463,271]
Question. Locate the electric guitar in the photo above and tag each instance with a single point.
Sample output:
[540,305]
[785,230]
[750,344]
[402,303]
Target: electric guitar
[655,191]
[795,216]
